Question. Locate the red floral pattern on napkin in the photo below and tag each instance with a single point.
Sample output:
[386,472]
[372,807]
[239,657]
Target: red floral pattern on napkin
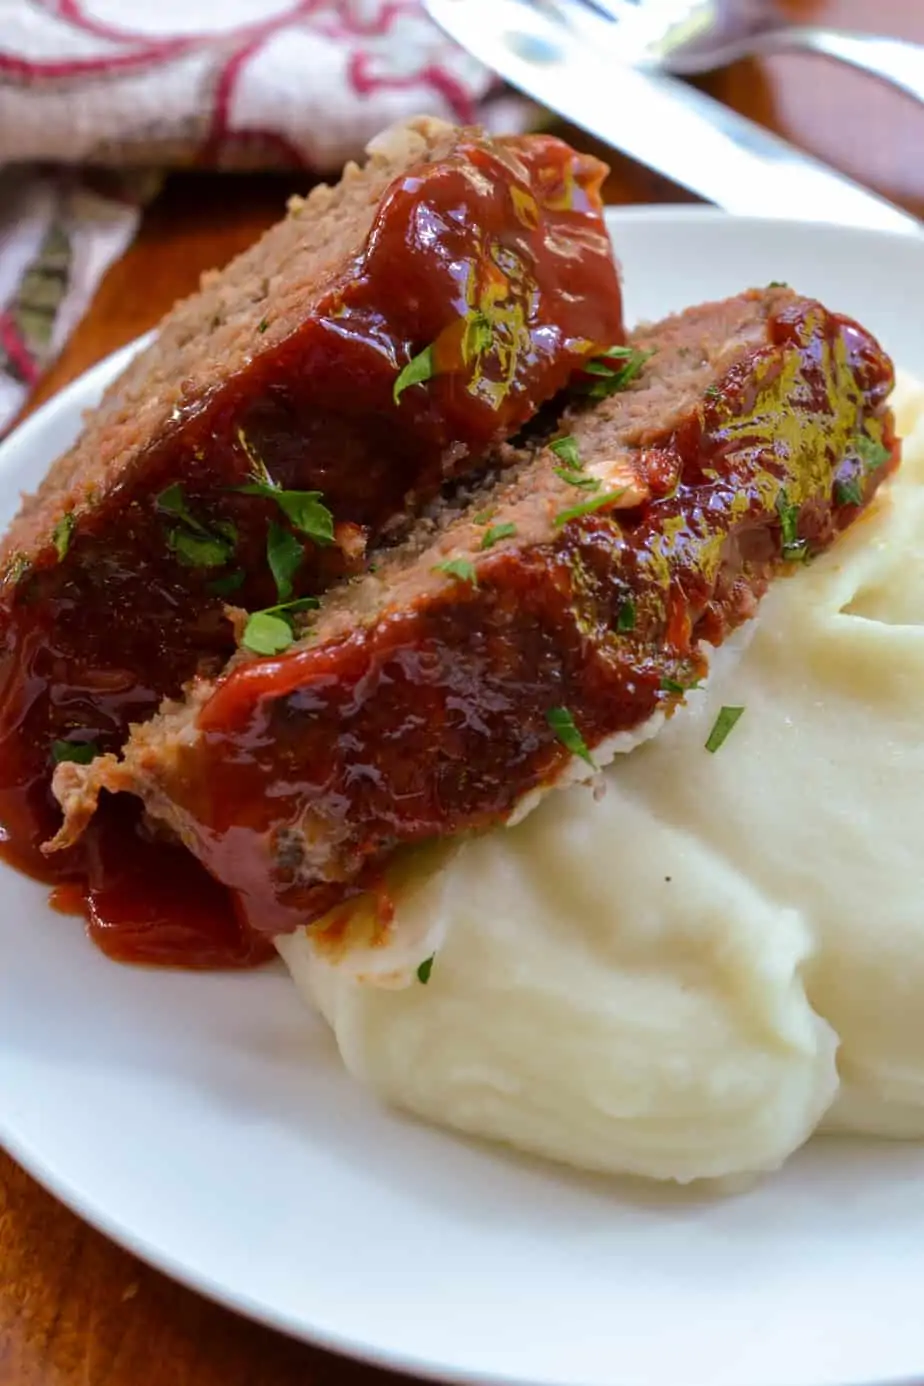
[185,83]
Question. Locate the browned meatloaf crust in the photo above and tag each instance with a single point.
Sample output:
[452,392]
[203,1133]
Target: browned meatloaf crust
[429,699]
[489,256]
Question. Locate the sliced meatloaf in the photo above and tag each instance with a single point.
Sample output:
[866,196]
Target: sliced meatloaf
[531,629]
[310,397]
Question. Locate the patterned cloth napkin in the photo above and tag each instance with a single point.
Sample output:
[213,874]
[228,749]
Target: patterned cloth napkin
[97,94]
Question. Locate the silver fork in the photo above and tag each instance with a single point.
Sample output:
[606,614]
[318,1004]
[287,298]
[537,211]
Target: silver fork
[560,53]
[690,36]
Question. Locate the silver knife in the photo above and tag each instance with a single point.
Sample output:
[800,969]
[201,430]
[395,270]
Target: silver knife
[659,120]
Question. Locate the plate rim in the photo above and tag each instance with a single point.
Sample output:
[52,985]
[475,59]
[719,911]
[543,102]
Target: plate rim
[92,382]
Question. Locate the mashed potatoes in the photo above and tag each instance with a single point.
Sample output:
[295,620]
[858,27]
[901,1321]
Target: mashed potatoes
[686,977]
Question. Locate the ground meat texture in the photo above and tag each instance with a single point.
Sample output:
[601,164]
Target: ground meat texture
[489,255]
[425,701]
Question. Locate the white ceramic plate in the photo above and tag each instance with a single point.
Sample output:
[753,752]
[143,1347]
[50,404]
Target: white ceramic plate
[205,1122]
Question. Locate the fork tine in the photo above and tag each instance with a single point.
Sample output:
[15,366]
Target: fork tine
[611,9]
[623,27]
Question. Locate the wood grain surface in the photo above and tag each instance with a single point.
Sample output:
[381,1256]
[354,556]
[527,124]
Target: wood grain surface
[75,1310]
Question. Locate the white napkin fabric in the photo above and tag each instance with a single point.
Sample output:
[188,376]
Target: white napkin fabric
[153,84]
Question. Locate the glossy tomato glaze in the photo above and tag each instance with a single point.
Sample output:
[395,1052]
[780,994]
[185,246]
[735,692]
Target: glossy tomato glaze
[498,258]
[313,767]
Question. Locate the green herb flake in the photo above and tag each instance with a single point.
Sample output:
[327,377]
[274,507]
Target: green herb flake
[484,516]
[496,533]
[460,568]
[777,284]
[792,546]
[562,724]
[196,550]
[872,454]
[425,968]
[173,502]
[262,326]
[477,337]
[848,492]
[284,554]
[712,392]
[18,567]
[588,507]
[585,483]
[673,686]
[224,586]
[304,509]
[267,634]
[79,752]
[626,618]
[567,449]
[271,631]
[724,723]
[418,370]
[195,544]
[63,532]
[610,377]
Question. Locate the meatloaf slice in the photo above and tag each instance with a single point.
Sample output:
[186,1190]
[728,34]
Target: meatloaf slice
[526,635]
[378,340]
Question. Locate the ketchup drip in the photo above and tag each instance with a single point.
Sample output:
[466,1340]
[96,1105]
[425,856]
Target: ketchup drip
[148,901]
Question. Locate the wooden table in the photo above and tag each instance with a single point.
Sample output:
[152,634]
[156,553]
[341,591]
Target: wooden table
[75,1310]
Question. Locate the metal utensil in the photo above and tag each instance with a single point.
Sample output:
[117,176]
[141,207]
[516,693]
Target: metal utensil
[690,36]
[657,119]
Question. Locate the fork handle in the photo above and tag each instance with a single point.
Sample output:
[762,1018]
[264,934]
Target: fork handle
[894,60]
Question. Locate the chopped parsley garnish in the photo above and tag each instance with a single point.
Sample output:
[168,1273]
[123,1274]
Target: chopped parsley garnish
[460,568]
[425,968]
[496,533]
[284,554]
[62,534]
[484,516]
[271,631]
[872,454]
[588,507]
[792,547]
[777,284]
[712,392]
[610,376]
[673,686]
[17,568]
[173,502]
[848,492]
[562,724]
[80,752]
[262,326]
[724,723]
[304,509]
[477,336]
[586,483]
[567,449]
[198,551]
[224,586]
[626,618]
[417,371]
[195,544]
[267,634]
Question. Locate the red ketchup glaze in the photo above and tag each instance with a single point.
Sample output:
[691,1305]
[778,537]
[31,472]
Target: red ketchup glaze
[151,901]
[312,767]
[498,259]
